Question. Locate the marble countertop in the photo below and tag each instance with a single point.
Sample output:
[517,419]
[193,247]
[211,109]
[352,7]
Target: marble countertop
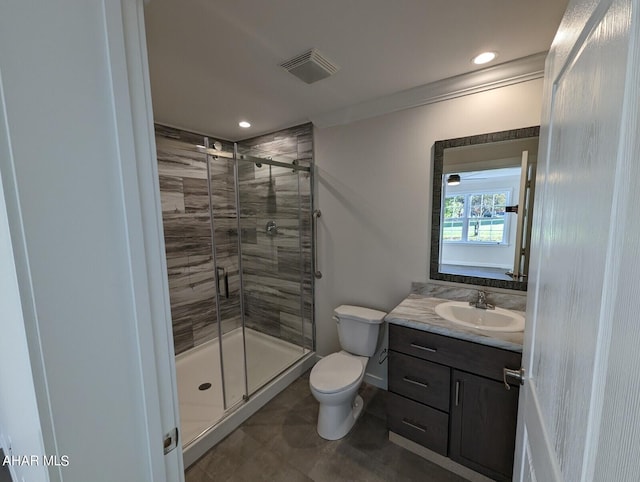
[417,311]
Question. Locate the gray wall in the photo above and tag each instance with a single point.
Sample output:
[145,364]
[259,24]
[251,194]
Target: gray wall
[374,190]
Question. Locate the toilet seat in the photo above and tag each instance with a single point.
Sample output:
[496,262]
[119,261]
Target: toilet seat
[335,373]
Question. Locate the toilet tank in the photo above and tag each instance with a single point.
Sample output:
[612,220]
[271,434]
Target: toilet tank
[358,328]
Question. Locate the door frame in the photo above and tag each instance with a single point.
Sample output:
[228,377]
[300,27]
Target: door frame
[133,115]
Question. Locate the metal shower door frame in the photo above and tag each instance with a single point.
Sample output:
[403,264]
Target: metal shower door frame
[236,187]
[212,153]
[215,270]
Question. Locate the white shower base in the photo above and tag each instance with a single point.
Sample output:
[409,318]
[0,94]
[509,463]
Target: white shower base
[266,357]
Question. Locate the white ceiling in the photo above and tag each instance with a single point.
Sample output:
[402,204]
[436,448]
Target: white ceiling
[216,62]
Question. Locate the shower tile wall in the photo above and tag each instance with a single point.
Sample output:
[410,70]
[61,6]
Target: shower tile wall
[271,265]
[187,229]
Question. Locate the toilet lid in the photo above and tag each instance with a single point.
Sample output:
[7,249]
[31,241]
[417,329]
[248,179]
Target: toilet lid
[335,372]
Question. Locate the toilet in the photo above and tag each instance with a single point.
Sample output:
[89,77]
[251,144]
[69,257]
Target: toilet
[334,380]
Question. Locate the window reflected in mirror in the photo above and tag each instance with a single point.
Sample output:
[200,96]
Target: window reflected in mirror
[483,192]
[478,234]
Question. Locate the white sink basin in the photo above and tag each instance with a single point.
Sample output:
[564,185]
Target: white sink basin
[463,313]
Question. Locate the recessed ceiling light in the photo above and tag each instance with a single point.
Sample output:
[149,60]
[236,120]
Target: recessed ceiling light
[244,124]
[484,57]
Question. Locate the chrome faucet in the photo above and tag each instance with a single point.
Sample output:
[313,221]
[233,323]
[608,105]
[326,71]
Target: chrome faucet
[481,302]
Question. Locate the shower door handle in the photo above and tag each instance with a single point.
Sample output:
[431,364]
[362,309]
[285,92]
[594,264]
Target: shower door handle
[225,275]
[316,272]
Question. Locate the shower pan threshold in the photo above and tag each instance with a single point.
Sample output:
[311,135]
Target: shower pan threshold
[272,364]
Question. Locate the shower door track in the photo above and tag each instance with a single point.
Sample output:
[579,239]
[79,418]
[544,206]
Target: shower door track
[253,159]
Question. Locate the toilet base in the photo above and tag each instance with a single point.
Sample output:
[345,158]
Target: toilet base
[335,421]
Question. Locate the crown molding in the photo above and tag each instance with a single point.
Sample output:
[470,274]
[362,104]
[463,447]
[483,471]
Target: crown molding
[502,75]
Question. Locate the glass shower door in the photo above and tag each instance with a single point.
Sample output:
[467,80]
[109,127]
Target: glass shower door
[274,209]
[238,248]
[224,216]
[261,231]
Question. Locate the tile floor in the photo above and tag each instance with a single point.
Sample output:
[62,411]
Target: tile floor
[280,443]
[5,475]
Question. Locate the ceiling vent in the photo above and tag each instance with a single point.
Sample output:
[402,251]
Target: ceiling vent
[310,66]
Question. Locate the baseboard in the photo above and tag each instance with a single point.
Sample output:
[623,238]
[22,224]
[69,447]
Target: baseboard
[442,461]
[376,381]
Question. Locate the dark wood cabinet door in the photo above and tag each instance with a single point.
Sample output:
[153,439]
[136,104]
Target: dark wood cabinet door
[483,424]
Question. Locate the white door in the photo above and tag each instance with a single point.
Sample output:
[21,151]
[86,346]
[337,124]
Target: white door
[578,409]
[80,185]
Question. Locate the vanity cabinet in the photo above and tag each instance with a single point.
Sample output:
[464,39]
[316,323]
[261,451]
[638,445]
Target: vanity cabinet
[448,395]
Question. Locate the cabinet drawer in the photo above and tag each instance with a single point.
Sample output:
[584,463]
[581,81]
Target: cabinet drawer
[419,380]
[424,425]
[464,355]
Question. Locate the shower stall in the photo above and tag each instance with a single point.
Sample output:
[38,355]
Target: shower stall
[238,235]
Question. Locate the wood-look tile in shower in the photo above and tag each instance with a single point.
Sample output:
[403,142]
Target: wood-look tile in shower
[271,264]
[289,264]
[183,171]
[291,328]
[293,323]
[193,296]
[182,335]
[283,143]
[268,306]
[250,234]
[258,258]
[204,331]
[172,198]
[230,307]
[287,182]
[258,309]
[187,225]
[196,195]
[305,147]
[282,150]
[223,197]
[191,165]
[193,303]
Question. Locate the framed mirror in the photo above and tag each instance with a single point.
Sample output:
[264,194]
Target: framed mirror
[483,194]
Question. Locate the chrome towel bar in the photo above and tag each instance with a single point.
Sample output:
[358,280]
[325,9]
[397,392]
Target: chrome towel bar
[316,272]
